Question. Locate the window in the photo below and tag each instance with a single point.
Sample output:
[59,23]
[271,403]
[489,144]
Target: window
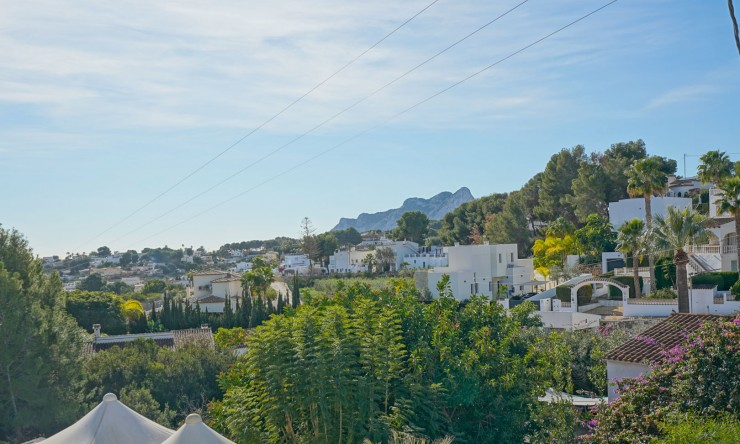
[499,258]
[474,288]
[490,286]
[512,257]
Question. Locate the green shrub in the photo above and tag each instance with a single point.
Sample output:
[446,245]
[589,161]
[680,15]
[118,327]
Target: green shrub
[665,273]
[735,290]
[663,293]
[563,293]
[724,280]
[583,294]
[616,293]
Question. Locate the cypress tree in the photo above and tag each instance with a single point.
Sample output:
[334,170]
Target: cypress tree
[246,312]
[228,316]
[296,292]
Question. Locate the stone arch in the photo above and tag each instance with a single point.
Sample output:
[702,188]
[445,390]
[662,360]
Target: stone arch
[625,289]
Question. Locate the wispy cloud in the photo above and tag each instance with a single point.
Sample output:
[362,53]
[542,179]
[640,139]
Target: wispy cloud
[687,93]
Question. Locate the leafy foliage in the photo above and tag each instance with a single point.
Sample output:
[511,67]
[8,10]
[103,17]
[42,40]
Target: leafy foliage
[371,363]
[40,346]
[160,379]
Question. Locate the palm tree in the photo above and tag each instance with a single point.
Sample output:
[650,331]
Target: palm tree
[678,229]
[730,203]
[631,241]
[646,178]
[715,167]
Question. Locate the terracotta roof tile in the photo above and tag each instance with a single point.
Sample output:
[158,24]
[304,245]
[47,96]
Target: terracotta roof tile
[665,335]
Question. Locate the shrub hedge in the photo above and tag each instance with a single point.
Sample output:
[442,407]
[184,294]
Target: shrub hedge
[583,294]
[615,293]
[724,280]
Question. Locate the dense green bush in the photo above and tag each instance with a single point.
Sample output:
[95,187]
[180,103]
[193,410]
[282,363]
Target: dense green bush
[583,294]
[563,293]
[665,273]
[663,293]
[735,290]
[616,293]
[724,280]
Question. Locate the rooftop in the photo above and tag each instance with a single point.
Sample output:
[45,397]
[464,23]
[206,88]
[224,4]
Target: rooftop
[172,339]
[662,336]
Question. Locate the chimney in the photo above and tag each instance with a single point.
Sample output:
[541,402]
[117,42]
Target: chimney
[96,330]
[205,327]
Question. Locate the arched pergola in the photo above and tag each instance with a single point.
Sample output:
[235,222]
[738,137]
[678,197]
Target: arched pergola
[597,280]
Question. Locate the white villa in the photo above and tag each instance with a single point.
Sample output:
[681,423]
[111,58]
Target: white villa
[353,260]
[481,269]
[627,209]
[211,288]
[295,264]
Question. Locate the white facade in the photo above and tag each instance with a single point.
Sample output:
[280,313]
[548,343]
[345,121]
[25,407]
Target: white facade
[242,267]
[701,300]
[619,370]
[352,260]
[481,269]
[227,286]
[201,283]
[628,209]
[296,263]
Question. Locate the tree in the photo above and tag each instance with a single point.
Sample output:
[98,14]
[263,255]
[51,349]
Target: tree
[94,282]
[309,243]
[104,252]
[596,236]
[413,226]
[135,316]
[715,167]
[557,183]
[457,225]
[647,178]
[327,244]
[730,203]
[348,236]
[386,258]
[118,287]
[678,229]
[589,191]
[615,162]
[511,225]
[40,346]
[89,308]
[631,240]
[370,262]
[154,286]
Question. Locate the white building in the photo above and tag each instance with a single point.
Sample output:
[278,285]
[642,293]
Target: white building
[481,269]
[633,358]
[628,209]
[200,286]
[354,259]
[684,187]
[296,264]
[241,267]
[427,257]
[229,285]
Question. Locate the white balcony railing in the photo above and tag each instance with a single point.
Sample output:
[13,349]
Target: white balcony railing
[704,249]
[628,271]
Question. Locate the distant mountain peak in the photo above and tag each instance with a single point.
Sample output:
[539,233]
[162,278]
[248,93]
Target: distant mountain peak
[435,208]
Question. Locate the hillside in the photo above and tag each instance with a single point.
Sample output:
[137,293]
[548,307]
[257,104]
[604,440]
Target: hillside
[435,208]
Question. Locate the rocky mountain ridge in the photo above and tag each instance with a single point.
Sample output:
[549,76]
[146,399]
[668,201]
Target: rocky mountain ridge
[435,208]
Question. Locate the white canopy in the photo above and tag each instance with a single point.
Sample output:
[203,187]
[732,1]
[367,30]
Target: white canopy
[111,422]
[195,432]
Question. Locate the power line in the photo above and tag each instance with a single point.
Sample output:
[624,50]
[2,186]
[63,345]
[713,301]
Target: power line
[262,125]
[310,159]
[316,127]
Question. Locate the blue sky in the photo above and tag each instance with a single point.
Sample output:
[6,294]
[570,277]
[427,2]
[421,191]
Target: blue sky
[104,105]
